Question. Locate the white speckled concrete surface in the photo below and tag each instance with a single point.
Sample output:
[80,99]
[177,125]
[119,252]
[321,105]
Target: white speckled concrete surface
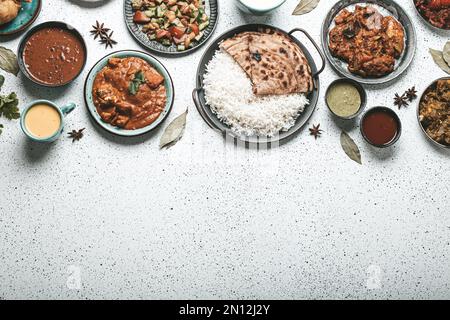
[110,217]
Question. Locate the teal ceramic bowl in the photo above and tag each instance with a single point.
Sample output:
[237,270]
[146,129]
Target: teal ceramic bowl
[27,15]
[259,10]
[63,112]
[168,83]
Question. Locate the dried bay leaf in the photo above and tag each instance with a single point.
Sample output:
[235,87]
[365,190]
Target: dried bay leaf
[305,6]
[174,131]
[8,61]
[350,147]
[446,53]
[439,60]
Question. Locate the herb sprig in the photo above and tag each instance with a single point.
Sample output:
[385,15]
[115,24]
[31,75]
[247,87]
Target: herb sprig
[135,84]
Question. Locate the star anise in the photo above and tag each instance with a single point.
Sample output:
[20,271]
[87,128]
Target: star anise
[99,30]
[315,131]
[411,94]
[76,135]
[401,101]
[108,41]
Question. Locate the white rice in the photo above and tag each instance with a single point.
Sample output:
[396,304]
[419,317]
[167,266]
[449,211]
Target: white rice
[228,92]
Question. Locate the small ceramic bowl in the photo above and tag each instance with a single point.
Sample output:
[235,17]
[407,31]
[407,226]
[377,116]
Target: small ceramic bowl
[63,112]
[49,24]
[168,83]
[263,9]
[362,93]
[390,112]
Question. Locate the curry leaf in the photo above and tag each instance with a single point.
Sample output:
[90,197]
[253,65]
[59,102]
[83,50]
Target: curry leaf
[439,60]
[2,81]
[174,131]
[1,127]
[8,61]
[135,84]
[9,106]
[446,53]
[305,6]
[350,147]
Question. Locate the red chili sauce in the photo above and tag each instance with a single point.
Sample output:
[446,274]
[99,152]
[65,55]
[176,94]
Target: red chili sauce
[54,56]
[380,127]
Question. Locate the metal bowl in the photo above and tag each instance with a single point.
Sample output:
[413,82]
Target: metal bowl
[362,93]
[397,12]
[212,9]
[428,23]
[394,115]
[49,24]
[431,86]
[212,120]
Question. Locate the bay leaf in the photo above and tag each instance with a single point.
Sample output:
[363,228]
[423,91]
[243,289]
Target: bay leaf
[350,148]
[439,60]
[174,131]
[446,53]
[8,61]
[305,6]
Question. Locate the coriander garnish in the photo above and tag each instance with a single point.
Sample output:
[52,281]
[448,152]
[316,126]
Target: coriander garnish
[135,84]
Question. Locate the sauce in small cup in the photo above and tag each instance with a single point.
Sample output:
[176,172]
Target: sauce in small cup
[381,127]
[43,121]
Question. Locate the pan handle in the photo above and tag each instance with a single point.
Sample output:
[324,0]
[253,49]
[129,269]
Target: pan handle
[315,75]
[198,105]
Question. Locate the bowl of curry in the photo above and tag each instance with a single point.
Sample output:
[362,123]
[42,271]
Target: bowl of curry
[52,54]
[129,93]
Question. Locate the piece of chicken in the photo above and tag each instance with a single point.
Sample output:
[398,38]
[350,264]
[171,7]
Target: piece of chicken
[9,9]
[394,37]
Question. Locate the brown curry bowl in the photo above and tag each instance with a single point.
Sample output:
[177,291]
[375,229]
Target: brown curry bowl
[49,24]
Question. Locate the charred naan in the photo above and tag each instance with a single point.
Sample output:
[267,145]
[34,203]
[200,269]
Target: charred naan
[273,62]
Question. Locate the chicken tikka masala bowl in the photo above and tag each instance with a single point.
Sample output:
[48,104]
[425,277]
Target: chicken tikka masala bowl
[129,93]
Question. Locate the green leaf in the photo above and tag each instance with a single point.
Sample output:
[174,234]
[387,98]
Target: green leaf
[8,61]
[305,6]
[139,76]
[439,60]
[135,84]
[9,106]
[174,131]
[2,81]
[350,147]
[1,127]
[446,53]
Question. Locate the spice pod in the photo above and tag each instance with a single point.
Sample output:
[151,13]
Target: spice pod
[346,98]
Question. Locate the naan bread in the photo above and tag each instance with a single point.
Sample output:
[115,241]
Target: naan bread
[273,62]
[238,48]
[282,69]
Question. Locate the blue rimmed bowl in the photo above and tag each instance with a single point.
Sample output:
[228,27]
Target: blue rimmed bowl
[168,83]
[27,15]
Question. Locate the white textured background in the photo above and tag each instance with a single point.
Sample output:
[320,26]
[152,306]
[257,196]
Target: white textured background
[204,220]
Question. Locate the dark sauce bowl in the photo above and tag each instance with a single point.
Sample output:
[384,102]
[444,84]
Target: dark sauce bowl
[390,113]
[31,32]
[361,91]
